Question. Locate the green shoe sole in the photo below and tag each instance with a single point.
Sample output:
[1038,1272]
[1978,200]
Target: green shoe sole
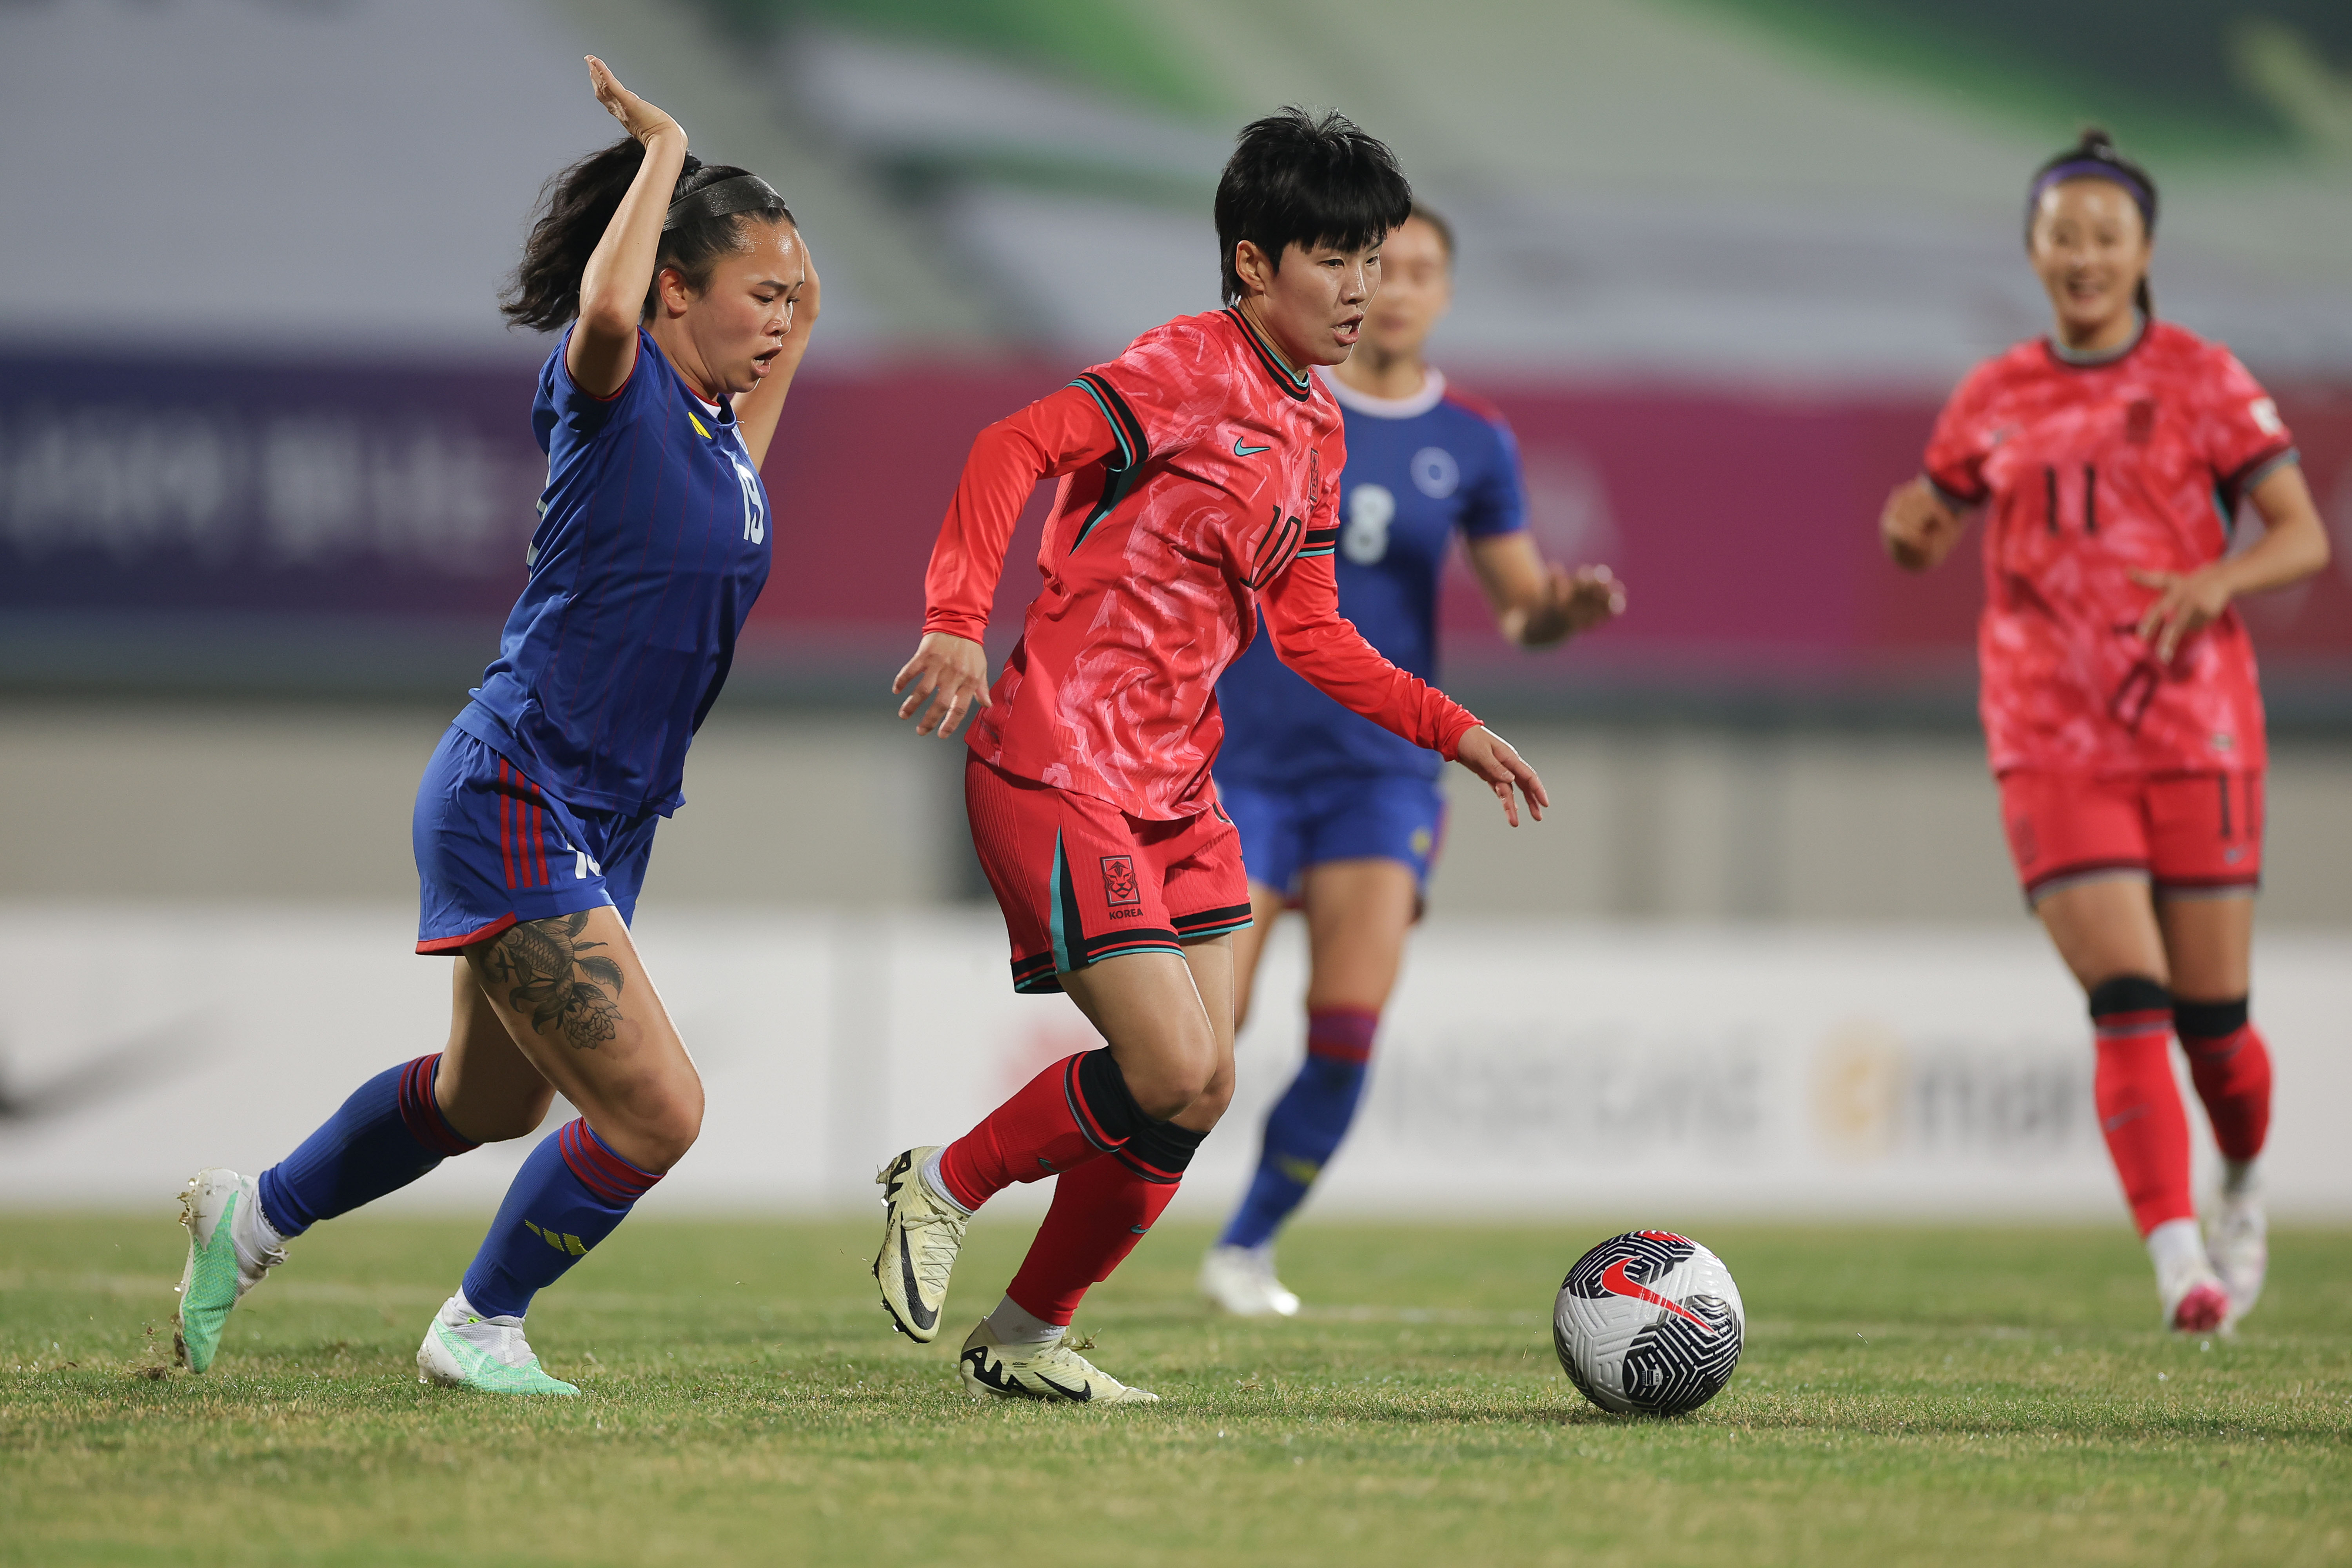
[207,1286]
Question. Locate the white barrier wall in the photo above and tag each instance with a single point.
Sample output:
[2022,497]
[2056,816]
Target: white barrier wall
[1671,1071]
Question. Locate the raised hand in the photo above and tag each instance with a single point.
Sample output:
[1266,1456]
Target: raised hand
[1490,756]
[949,673]
[638,118]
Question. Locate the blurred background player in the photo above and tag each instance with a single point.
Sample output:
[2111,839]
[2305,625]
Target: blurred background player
[2119,699]
[535,820]
[1337,817]
[1200,481]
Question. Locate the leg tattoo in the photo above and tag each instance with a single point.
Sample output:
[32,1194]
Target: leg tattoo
[554,978]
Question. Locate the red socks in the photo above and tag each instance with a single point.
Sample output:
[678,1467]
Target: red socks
[2140,1105]
[1100,1211]
[2231,1066]
[1059,1120]
[1057,1125]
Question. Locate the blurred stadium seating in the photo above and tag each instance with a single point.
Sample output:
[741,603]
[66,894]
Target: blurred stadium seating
[1718,263]
[266,469]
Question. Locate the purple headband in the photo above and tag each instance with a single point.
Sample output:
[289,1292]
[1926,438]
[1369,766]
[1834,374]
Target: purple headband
[2092,169]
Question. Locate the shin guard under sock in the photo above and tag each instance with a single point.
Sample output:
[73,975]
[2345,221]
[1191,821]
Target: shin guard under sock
[571,1193]
[389,1133]
[1100,1211]
[2231,1065]
[2140,1111]
[1064,1117]
[1306,1125]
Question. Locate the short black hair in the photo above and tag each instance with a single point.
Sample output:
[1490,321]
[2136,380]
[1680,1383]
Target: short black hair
[1296,178]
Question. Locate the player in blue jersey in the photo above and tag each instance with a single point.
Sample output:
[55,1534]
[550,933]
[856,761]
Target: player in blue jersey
[689,298]
[1337,817]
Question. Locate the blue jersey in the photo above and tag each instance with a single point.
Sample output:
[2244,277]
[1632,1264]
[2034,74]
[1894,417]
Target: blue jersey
[652,544]
[1420,469]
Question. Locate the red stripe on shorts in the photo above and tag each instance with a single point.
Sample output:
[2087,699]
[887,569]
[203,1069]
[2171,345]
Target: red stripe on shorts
[506,829]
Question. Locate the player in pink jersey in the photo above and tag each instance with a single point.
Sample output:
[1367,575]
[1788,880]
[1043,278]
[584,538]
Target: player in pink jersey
[1199,474]
[2120,705]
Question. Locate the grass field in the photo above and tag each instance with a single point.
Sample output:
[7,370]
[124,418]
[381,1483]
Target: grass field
[1909,1395]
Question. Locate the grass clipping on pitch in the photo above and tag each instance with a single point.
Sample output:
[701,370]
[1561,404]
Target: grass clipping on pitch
[1908,1394]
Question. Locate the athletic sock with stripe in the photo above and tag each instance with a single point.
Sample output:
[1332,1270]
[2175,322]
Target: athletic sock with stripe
[1306,1125]
[570,1194]
[1064,1117]
[1100,1210]
[2141,1113]
[390,1132]
[2230,1063]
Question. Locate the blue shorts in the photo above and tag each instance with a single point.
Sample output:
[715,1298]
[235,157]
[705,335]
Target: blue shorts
[493,850]
[1348,816]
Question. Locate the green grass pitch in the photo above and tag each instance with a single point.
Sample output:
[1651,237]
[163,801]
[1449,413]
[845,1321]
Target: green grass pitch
[1909,1395]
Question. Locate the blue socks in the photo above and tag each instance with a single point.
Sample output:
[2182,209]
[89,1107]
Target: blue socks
[570,1194]
[1306,1123]
[389,1133]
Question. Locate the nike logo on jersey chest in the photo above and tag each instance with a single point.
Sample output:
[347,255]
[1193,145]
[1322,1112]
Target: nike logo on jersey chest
[1261,466]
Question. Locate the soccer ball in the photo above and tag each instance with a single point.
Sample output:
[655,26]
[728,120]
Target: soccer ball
[1649,1321]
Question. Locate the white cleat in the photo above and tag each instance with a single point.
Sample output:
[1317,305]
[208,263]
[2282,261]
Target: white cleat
[1052,1371]
[1241,1280]
[2239,1247]
[231,1248]
[921,1235]
[2194,1301]
[463,1349]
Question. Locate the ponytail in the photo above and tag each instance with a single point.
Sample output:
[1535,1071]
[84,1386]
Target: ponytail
[578,205]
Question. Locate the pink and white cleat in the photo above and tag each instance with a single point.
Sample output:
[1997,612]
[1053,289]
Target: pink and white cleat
[2194,1299]
[2202,1308]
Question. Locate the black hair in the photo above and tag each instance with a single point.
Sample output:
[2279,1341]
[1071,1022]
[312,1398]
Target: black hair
[1295,178]
[576,207]
[2095,156]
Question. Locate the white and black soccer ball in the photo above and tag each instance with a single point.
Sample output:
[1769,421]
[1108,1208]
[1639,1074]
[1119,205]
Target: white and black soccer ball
[1649,1321]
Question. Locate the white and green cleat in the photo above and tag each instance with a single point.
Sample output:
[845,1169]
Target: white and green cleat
[1052,1371]
[464,1349]
[231,1247]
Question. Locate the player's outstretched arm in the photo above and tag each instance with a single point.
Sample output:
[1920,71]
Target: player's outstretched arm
[1302,616]
[2294,546]
[603,348]
[1919,526]
[948,673]
[1538,603]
